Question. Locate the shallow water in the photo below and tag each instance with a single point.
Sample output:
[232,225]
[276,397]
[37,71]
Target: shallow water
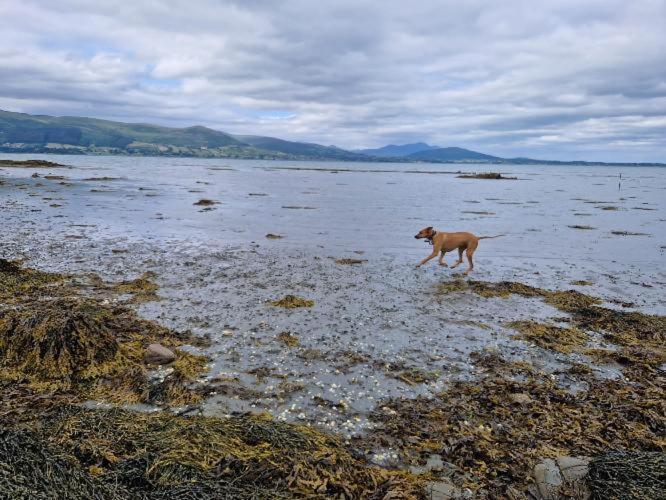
[217,270]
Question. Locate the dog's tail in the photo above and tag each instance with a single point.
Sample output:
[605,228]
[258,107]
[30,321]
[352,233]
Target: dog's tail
[490,237]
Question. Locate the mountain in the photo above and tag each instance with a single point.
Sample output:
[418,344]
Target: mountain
[453,154]
[21,132]
[305,149]
[393,151]
[24,133]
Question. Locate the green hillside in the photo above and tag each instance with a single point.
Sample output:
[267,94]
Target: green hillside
[86,132]
[306,149]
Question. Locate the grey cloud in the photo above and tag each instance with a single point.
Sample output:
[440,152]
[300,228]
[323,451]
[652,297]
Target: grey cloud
[559,79]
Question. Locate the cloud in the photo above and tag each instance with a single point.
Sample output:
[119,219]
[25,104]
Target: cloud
[562,79]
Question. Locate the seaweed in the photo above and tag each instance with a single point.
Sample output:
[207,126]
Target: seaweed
[142,288]
[31,470]
[349,262]
[204,202]
[493,429]
[83,346]
[157,454]
[486,175]
[292,301]
[288,339]
[622,475]
[563,340]
[29,163]
[641,336]
[18,283]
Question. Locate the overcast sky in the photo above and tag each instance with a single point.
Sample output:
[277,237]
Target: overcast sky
[560,79]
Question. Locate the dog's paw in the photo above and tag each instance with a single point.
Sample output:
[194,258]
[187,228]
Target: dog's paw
[443,264]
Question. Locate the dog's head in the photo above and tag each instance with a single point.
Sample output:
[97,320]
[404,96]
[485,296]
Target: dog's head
[426,232]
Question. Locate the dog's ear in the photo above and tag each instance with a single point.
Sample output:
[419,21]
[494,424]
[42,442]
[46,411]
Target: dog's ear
[429,228]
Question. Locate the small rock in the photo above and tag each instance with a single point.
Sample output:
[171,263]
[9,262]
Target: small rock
[573,468]
[157,354]
[521,398]
[548,479]
[434,462]
[442,490]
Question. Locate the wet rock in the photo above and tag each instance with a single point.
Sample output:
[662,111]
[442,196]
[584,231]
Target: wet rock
[573,468]
[520,398]
[548,479]
[206,202]
[486,175]
[442,490]
[434,462]
[157,354]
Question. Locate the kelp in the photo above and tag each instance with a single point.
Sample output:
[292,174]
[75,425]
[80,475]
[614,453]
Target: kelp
[160,455]
[18,283]
[30,163]
[622,475]
[494,429]
[83,346]
[632,330]
[292,302]
[53,339]
[349,262]
[31,470]
[142,289]
[486,175]
[288,339]
[563,340]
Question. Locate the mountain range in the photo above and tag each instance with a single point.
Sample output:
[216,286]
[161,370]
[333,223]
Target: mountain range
[24,133]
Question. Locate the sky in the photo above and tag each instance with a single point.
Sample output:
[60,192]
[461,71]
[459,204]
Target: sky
[555,79]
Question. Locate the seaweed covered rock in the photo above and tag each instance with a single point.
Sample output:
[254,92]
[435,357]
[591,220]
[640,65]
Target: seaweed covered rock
[82,346]
[56,343]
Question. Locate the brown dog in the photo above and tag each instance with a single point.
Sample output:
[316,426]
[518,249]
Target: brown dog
[446,242]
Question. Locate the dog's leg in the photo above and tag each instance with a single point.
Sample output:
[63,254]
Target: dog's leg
[470,254]
[441,259]
[431,256]
[460,259]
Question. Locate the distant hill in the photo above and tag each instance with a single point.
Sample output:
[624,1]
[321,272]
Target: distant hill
[24,133]
[306,149]
[393,151]
[86,132]
[452,154]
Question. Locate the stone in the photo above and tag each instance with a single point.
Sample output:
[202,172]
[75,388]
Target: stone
[442,490]
[548,479]
[157,354]
[520,398]
[434,462]
[573,468]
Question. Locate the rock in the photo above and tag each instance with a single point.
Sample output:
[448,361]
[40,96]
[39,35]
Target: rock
[573,468]
[520,398]
[548,479]
[442,490]
[157,354]
[434,462]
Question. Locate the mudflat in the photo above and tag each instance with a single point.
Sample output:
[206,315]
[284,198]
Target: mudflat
[557,330]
